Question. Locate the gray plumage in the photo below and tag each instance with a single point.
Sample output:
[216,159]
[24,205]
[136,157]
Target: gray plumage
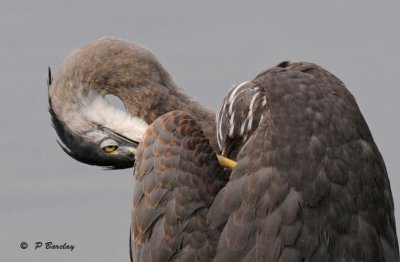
[309,185]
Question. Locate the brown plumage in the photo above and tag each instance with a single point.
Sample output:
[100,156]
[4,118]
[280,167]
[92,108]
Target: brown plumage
[309,185]
[134,75]
[312,183]
[177,176]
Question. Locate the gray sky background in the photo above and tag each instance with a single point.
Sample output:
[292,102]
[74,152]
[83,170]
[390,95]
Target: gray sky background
[208,46]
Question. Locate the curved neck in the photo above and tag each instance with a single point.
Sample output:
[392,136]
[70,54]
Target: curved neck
[128,71]
[153,100]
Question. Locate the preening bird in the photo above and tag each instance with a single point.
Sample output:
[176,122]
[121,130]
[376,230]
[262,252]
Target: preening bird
[93,131]
[309,184]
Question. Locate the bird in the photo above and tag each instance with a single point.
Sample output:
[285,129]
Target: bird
[286,170]
[94,132]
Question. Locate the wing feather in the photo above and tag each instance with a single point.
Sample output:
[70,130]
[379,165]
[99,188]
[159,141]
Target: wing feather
[176,178]
[310,183]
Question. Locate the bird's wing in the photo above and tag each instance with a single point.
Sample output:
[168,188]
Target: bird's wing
[310,183]
[176,178]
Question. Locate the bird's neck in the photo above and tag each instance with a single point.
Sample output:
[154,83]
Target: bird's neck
[152,102]
[206,119]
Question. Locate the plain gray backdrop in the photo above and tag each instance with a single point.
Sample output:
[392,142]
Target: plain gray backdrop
[208,46]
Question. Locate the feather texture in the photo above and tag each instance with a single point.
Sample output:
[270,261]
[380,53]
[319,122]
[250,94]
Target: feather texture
[310,183]
[176,177]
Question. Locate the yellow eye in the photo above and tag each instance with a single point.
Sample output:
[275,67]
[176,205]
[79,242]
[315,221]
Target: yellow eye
[110,149]
[109,145]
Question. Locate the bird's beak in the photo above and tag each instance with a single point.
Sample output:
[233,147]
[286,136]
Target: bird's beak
[223,161]
[132,149]
[130,144]
[226,162]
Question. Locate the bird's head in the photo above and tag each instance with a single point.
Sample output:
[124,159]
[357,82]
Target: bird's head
[88,132]
[91,129]
[94,132]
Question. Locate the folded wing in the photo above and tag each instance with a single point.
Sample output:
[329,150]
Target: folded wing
[176,178]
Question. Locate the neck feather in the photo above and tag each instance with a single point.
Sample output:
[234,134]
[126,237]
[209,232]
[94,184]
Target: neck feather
[99,111]
[82,111]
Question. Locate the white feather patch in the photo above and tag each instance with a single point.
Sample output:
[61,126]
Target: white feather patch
[231,125]
[250,114]
[233,95]
[98,110]
[219,123]
[81,111]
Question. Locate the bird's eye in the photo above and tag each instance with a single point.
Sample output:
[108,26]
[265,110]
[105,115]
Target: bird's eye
[110,149]
[109,145]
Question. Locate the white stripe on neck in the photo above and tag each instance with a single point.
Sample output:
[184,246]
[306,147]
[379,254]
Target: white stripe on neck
[98,110]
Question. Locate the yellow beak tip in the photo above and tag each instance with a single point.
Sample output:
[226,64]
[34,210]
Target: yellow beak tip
[226,162]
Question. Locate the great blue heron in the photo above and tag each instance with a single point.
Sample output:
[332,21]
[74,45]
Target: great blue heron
[309,185]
